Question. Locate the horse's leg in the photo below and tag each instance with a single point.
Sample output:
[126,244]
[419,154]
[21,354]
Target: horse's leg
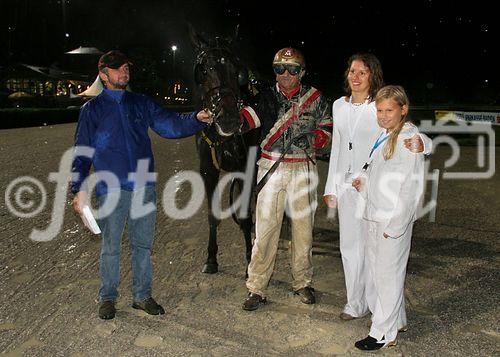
[245,221]
[211,266]
[210,178]
[246,227]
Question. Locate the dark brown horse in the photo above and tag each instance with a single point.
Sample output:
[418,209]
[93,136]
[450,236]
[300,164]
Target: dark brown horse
[222,84]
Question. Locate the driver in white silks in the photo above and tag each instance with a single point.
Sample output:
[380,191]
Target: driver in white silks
[392,184]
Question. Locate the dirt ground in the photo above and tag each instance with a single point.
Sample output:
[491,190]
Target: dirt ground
[48,289]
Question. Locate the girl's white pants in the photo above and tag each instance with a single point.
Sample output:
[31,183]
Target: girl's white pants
[385,266]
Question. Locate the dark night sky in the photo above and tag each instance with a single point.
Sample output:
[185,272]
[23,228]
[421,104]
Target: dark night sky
[439,50]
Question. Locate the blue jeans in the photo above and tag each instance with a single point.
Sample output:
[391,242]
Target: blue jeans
[140,234]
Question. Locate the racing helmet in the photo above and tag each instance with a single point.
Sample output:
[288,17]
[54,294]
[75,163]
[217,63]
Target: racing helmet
[289,55]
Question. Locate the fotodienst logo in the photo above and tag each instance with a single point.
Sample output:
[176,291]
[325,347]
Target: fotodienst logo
[26,197]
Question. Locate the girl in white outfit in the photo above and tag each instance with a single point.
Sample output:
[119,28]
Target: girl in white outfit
[355,128]
[392,185]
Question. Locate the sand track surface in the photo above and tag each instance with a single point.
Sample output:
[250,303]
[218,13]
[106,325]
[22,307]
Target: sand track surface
[48,289]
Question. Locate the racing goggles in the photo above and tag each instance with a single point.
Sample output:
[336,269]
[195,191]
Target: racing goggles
[293,69]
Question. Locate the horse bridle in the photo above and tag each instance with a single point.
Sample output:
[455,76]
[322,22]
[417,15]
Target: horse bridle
[212,99]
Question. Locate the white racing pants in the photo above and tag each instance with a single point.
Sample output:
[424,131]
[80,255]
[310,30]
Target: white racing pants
[293,185]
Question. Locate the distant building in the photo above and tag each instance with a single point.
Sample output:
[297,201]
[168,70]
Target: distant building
[59,85]
[41,86]
[178,93]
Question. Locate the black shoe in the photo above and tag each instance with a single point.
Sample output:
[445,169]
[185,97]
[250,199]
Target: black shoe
[306,295]
[253,301]
[107,310]
[370,344]
[150,306]
[348,317]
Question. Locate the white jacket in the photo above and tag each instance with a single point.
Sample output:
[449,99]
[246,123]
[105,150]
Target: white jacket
[393,188]
[364,135]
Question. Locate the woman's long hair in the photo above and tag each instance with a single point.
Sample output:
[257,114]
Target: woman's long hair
[376,75]
[398,94]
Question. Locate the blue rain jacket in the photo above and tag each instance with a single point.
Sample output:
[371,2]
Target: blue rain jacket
[117,128]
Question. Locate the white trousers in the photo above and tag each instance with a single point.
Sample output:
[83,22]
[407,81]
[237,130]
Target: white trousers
[352,231]
[292,186]
[385,265]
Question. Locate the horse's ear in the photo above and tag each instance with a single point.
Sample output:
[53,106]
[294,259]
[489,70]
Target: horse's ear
[234,37]
[198,41]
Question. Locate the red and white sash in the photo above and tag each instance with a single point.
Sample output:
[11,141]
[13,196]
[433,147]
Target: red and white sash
[289,117]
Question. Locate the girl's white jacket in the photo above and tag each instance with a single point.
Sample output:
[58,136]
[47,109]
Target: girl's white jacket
[393,188]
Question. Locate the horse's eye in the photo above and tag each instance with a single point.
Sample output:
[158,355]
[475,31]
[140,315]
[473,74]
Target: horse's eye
[222,60]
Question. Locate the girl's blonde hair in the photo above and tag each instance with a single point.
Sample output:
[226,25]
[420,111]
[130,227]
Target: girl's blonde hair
[398,94]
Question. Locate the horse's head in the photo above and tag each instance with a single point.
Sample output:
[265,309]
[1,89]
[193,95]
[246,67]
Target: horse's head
[219,75]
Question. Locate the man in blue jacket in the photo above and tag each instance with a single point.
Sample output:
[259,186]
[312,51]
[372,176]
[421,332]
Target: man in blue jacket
[112,135]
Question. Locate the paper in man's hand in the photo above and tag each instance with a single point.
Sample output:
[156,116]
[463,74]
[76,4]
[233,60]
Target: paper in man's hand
[89,220]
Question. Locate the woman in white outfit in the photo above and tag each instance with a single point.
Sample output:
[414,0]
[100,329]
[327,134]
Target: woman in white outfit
[355,128]
[392,186]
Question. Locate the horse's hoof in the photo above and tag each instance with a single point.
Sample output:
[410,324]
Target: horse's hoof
[210,268]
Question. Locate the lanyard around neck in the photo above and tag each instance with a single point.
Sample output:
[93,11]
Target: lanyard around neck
[382,137]
[359,114]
